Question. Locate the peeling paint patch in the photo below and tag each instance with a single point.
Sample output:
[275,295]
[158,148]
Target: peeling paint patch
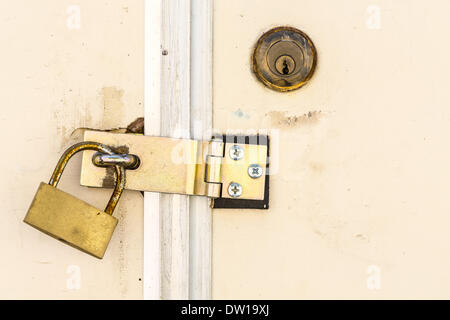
[137,126]
[362,237]
[112,106]
[281,119]
[70,115]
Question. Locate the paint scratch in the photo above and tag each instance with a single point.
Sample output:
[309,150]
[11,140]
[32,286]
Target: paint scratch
[281,119]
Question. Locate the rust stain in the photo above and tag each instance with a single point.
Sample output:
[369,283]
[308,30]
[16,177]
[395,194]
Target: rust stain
[280,119]
[137,126]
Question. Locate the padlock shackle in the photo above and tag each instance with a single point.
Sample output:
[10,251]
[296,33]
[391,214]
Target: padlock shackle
[90,145]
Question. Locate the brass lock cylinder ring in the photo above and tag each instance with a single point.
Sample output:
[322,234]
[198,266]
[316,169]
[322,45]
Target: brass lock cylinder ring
[284,59]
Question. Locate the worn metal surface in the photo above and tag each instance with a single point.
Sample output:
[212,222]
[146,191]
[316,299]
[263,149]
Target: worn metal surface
[104,160]
[239,202]
[69,219]
[119,180]
[167,165]
[236,171]
[180,165]
[212,174]
[284,59]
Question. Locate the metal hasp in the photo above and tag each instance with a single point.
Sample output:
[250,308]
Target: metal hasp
[284,59]
[201,168]
[256,171]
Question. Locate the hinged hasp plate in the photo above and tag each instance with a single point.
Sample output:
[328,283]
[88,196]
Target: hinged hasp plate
[216,168]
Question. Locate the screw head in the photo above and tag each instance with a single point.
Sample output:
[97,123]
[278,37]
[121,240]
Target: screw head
[235,190]
[236,152]
[255,171]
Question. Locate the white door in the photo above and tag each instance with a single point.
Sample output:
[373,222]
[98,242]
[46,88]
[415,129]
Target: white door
[358,205]
[359,181]
[66,65]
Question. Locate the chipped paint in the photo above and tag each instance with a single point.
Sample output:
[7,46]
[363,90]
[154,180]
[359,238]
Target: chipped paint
[112,106]
[137,126]
[281,119]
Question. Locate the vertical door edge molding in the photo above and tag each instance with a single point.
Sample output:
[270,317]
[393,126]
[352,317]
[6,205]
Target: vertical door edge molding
[178,103]
[201,129]
[175,122]
[152,116]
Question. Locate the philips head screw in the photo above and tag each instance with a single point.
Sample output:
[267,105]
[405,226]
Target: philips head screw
[235,190]
[255,171]
[236,152]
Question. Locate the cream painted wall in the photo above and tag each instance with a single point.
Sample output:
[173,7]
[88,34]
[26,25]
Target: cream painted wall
[360,198]
[361,182]
[56,78]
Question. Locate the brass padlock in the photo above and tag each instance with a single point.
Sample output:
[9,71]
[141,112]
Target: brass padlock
[71,220]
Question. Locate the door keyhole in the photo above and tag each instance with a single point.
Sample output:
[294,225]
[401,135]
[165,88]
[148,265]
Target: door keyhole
[285,65]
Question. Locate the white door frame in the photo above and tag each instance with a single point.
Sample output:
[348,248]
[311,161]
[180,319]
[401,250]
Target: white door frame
[178,103]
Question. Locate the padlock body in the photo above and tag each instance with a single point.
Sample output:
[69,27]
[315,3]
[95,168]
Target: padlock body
[71,220]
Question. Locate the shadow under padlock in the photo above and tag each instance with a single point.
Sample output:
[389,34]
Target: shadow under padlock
[72,220]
